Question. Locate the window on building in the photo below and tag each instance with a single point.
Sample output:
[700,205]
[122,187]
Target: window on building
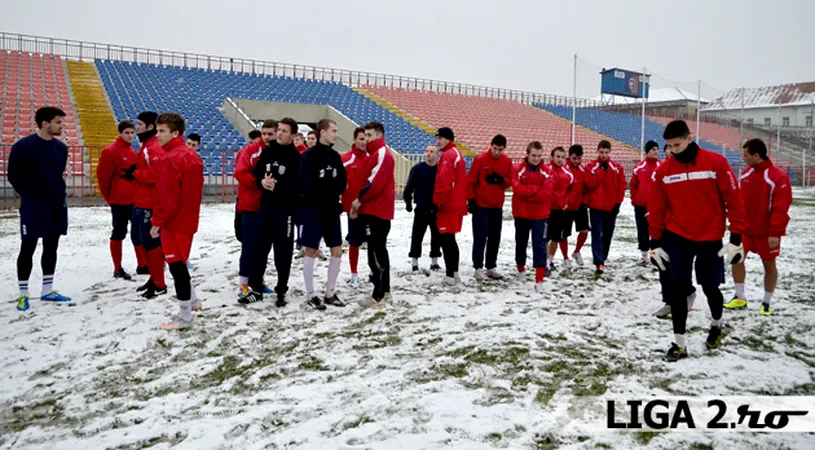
[809,121]
[785,121]
[768,121]
[750,121]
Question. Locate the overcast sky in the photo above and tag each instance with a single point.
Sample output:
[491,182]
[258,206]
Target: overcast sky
[519,44]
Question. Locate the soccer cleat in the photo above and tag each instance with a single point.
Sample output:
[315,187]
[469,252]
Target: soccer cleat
[578,259]
[177,324]
[55,296]
[435,267]
[354,281]
[142,270]
[765,310]
[334,301]
[197,306]
[540,288]
[321,255]
[691,299]
[22,303]
[664,312]
[388,298]
[521,276]
[567,264]
[267,290]
[675,353]
[480,275]
[244,291]
[599,272]
[371,302]
[415,268]
[316,303]
[451,281]
[281,300]
[153,292]
[493,274]
[122,274]
[736,303]
[714,337]
[148,285]
[251,298]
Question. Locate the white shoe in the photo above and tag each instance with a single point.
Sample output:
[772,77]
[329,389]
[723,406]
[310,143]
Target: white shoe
[371,303]
[663,312]
[354,280]
[480,275]
[643,262]
[521,276]
[691,299]
[493,274]
[388,298]
[197,305]
[577,258]
[178,324]
[567,264]
[540,288]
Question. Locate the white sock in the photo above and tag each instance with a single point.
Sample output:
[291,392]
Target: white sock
[718,323]
[644,255]
[308,275]
[243,281]
[739,290]
[47,284]
[193,296]
[23,284]
[768,296]
[680,340]
[434,261]
[333,273]
[185,310]
[414,261]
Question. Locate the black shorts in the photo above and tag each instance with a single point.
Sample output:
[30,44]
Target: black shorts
[556,225]
[580,218]
[686,255]
[318,225]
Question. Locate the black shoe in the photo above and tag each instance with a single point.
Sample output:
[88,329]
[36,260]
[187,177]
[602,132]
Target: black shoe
[316,303]
[714,337]
[334,301]
[675,353]
[415,268]
[281,300]
[146,286]
[144,270]
[435,267]
[252,297]
[122,274]
[153,292]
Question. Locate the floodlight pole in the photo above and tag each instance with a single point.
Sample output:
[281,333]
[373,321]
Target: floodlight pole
[698,110]
[643,78]
[574,101]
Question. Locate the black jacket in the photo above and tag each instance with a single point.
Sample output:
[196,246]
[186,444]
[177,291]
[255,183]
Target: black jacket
[282,162]
[421,184]
[322,179]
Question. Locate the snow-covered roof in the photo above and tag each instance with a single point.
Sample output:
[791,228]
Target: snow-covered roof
[671,94]
[767,96]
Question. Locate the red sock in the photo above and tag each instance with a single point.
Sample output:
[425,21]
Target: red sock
[155,262]
[581,239]
[540,274]
[141,256]
[564,248]
[353,257]
[116,254]
[521,269]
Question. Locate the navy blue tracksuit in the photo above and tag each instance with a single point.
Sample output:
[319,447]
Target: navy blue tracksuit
[275,220]
[420,186]
[322,181]
[487,224]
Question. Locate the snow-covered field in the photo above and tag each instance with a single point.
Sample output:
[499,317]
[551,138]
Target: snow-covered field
[491,366]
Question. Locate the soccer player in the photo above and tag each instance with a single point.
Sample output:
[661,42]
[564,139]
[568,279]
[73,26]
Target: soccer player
[249,194]
[194,141]
[487,182]
[577,212]
[450,200]
[311,138]
[642,182]
[277,173]
[420,185]
[767,196]
[694,191]
[35,168]
[254,138]
[606,185]
[299,143]
[114,176]
[375,205]
[180,185]
[144,199]
[562,185]
[322,183]
[531,199]
[354,163]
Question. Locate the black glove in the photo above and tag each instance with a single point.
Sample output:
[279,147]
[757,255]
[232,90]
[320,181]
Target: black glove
[616,209]
[409,206]
[604,165]
[128,173]
[471,206]
[494,178]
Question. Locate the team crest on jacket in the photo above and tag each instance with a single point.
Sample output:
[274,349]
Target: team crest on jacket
[281,170]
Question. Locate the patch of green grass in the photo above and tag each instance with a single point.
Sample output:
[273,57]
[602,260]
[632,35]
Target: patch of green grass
[700,446]
[546,442]
[545,394]
[644,437]
[661,383]
[362,420]
[313,364]
[594,389]
[602,445]
[494,436]
[757,344]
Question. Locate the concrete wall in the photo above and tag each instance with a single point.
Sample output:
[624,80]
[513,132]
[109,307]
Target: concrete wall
[237,117]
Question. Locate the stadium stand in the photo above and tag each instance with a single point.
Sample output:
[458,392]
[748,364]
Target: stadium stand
[477,119]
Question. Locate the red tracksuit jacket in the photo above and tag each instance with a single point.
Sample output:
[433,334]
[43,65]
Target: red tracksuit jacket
[531,191]
[606,187]
[450,193]
[146,174]
[562,186]
[180,186]
[575,199]
[488,195]
[302,148]
[354,162]
[767,196]
[692,199]
[248,191]
[642,181]
[378,196]
[116,158]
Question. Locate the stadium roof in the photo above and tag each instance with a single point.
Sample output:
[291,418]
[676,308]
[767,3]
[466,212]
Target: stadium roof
[672,94]
[766,97]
